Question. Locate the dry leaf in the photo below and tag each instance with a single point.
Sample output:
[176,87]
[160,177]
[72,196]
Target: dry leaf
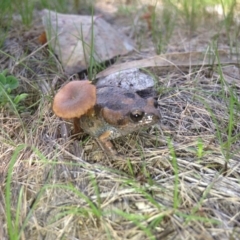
[177,60]
[70,38]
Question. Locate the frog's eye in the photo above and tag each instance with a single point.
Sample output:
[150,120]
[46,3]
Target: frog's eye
[136,115]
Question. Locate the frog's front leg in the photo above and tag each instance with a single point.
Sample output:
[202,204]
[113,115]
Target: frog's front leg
[77,127]
[104,141]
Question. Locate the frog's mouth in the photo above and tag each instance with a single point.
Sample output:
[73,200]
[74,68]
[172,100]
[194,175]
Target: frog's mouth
[148,119]
[151,118]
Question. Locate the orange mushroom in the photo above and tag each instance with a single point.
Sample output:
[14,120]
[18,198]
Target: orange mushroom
[42,38]
[74,99]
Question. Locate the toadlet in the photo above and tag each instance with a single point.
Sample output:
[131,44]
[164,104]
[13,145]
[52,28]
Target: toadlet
[105,113]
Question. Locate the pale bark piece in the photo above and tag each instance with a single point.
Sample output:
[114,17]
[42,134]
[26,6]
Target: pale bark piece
[70,37]
[176,60]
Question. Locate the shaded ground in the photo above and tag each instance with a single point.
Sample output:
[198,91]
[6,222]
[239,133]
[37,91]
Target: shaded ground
[166,189]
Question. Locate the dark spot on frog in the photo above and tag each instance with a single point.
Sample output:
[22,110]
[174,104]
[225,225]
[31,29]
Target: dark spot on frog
[115,106]
[147,93]
[155,104]
[129,95]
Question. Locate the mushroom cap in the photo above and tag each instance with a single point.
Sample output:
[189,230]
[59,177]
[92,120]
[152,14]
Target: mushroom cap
[74,99]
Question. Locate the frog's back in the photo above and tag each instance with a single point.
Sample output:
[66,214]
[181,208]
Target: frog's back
[118,99]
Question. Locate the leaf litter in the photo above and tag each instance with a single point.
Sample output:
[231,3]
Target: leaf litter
[135,195]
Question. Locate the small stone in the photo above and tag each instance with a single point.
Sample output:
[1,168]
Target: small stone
[133,79]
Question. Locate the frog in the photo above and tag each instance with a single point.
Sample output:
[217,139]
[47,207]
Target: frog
[118,112]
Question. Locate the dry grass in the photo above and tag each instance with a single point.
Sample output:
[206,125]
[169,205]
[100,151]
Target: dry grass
[173,185]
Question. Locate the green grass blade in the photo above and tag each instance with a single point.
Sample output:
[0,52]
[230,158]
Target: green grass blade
[12,231]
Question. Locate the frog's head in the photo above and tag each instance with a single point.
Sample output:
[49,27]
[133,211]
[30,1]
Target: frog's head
[147,115]
[128,111]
